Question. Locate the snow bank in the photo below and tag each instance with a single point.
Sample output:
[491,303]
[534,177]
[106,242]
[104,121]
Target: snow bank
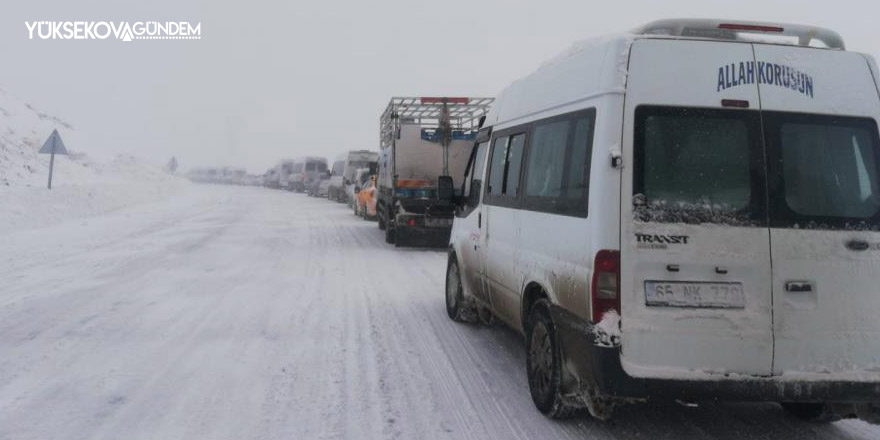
[81,187]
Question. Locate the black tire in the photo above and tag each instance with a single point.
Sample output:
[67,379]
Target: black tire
[456,306]
[811,412]
[543,361]
[390,236]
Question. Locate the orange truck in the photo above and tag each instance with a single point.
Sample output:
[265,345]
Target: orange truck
[421,139]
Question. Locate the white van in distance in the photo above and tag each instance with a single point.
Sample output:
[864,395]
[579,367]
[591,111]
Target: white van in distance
[690,211]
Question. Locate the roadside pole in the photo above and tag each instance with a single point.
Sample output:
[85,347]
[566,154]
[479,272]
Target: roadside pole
[51,166]
[54,145]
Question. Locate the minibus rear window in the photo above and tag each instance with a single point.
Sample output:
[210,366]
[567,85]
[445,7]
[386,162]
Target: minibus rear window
[697,165]
[825,171]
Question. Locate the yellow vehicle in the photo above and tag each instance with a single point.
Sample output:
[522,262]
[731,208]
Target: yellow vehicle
[365,202]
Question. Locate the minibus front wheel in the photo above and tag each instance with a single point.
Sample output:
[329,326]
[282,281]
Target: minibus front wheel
[458,307]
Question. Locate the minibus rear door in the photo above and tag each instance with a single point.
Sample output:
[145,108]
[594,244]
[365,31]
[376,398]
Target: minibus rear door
[695,282]
[820,110]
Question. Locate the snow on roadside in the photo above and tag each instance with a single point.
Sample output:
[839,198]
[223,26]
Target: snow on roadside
[81,187]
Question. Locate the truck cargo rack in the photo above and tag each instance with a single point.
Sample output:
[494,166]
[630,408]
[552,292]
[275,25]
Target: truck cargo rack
[442,119]
[463,116]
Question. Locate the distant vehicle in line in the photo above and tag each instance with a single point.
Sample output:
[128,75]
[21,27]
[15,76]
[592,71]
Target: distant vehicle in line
[355,160]
[365,206]
[319,187]
[271,178]
[222,175]
[286,170]
[305,172]
[687,213]
[361,179]
[336,185]
[422,138]
[252,180]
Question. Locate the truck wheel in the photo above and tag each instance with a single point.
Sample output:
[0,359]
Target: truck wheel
[811,412]
[543,364]
[390,237]
[456,306]
[399,239]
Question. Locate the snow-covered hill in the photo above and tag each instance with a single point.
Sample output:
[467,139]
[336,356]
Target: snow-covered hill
[81,186]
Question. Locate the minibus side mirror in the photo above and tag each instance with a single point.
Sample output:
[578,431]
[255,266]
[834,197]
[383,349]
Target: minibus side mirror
[445,188]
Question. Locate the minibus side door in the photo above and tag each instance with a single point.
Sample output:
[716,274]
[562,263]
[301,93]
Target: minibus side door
[469,222]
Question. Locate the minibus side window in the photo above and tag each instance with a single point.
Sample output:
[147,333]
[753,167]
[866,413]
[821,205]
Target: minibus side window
[499,160]
[514,164]
[578,181]
[505,166]
[475,175]
[546,166]
[558,170]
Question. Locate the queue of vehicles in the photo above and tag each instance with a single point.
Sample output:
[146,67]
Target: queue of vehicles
[223,175]
[689,212]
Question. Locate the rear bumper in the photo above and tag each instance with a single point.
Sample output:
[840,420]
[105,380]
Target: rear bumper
[588,363]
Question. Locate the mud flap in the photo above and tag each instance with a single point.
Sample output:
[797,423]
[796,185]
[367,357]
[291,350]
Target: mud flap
[422,237]
[575,341]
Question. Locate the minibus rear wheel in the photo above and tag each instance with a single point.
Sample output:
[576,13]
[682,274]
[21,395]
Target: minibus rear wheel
[543,364]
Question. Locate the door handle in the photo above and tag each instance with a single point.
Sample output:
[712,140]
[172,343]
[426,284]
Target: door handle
[798,286]
[858,245]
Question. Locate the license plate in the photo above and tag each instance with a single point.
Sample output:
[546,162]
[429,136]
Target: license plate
[438,222]
[695,294]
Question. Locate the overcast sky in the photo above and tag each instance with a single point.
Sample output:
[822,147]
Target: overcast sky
[279,78]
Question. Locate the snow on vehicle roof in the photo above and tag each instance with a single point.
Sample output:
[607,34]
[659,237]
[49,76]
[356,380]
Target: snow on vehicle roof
[598,66]
[588,69]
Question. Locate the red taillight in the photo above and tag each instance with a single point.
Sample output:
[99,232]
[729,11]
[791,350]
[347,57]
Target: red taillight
[735,103]
[441,100]
[411,222]
[750,28]
[605,292]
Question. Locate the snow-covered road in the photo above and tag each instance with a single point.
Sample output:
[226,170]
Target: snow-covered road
[244,313]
